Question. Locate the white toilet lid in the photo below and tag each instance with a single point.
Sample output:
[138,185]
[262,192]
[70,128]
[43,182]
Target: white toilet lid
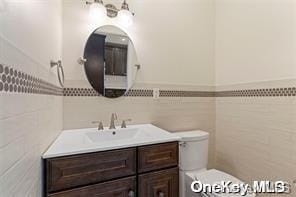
[215,176]
[188,136]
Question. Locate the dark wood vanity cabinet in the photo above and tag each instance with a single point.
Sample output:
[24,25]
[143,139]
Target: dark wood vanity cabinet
[119,188]
[74,171]
[160,184]
[157,157]
[147,171]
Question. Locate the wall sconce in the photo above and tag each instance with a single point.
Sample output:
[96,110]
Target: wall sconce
[98,10]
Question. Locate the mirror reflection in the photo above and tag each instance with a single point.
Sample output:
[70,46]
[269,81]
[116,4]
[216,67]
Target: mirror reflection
[110,61]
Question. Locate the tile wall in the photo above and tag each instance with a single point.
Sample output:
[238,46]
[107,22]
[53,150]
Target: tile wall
[256,135]
[31,106]
[252,126]
[173,111]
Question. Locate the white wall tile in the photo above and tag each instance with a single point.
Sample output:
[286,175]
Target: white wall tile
[28,123]
[172,114]
[255,137]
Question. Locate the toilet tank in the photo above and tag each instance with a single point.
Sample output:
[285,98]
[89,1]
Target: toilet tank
[193,150]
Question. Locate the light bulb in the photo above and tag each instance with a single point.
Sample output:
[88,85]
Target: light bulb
[97,12]
[125,17]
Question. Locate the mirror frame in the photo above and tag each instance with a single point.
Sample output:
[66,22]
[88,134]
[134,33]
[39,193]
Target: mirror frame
[93,70]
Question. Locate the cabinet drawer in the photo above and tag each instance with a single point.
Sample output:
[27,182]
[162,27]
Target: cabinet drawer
[157,157]
[159,184]
[73,171]
[122,187]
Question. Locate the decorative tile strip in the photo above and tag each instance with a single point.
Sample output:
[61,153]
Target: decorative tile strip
[271,92]
[142,93]
[15,81]
[139,93]
[89,92]
[174,93]
[80,92]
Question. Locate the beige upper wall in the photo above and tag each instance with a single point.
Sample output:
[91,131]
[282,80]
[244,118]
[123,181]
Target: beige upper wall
[255,40]
[33,30]
[174,40]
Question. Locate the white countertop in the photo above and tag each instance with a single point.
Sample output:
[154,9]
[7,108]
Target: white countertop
[72,142]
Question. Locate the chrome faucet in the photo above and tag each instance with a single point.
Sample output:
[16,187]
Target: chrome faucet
[100,125]
[112,122]
[123,124]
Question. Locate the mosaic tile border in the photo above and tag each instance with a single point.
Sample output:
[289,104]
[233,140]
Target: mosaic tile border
[142,93]
[89,92]
[80,92]
[271,92]
[174,93]
[16,81]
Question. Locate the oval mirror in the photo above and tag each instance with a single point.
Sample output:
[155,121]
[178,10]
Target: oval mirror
[111,61]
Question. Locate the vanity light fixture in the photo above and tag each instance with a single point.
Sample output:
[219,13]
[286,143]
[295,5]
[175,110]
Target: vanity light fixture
[125,17]
[98,10]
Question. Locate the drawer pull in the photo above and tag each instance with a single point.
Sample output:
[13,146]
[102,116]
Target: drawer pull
[160,194]
[131,193]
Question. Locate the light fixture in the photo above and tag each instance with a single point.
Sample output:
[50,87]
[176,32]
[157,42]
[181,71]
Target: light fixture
[125,17]
[98,9]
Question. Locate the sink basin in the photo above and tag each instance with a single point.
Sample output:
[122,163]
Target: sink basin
[113,135]
[72,142]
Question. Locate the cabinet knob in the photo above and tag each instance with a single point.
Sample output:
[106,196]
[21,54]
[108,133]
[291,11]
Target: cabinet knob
[131,193]
[160,194]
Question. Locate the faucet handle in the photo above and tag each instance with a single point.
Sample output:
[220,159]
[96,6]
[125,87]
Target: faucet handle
[114,115]
[101,126]
[123,124]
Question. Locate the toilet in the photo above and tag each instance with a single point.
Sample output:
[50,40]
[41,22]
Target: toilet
[193,160]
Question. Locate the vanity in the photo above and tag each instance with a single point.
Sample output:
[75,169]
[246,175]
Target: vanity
[138,161]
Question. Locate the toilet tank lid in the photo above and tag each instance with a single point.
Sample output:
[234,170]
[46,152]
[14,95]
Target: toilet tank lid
[188,136]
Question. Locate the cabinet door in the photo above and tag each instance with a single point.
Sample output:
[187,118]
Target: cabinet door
[119,188]
[116,59]
[109,68]
[159,184]
[157,157]
[120,61]
[80,170]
